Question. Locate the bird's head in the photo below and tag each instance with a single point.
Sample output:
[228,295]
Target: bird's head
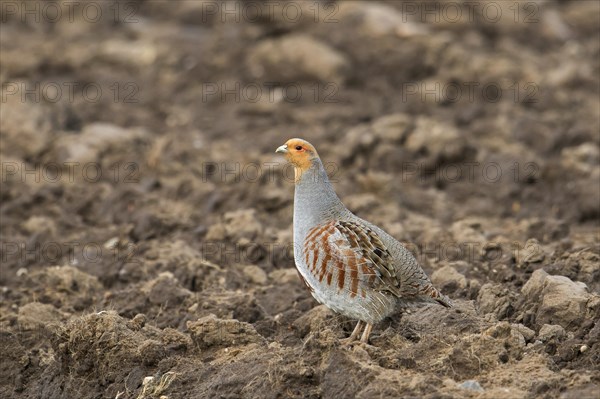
[299,153]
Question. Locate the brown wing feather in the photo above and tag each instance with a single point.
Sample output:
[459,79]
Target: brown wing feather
[373,249]
[354,258]
[373,254]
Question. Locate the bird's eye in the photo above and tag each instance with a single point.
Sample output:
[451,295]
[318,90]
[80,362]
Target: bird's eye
[298,147]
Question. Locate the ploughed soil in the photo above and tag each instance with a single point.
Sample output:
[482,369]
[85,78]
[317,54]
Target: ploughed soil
[146,221]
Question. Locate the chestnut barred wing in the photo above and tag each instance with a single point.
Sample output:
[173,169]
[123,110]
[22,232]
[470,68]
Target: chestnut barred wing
[348,257]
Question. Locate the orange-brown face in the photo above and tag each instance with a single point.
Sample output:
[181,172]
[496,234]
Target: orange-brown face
[299,153]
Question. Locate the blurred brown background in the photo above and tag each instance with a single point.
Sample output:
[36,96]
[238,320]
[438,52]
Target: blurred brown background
[138,177]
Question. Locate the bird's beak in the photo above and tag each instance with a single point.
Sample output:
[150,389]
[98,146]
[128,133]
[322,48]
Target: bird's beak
[282,149]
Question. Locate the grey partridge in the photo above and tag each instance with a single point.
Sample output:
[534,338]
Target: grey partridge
[350,265]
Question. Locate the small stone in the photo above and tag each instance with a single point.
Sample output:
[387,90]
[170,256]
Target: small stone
[551,331]
[589,265]
[510,332]
[66,284]
[211,331]
[469,231]
[393,127]
[561,300]
[39,315]
[583,348]
[175,340]
[471,385]
[151,352]
[284,276]
[527,333]
[440,141]
[255,274]
[379,20]
[293,58]
[26,126]
[534,286]
[274,345]
[137,323]
[448,278]
[37,224]
[517,337]
[242,225]
[165,289]
[531,253]
[496,299]
[111,243]
[138,53]
[147,380]
[93,140]
[582,159]
[216,232]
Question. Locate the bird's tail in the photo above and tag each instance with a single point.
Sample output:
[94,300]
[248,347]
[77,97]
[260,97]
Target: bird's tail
[433,294]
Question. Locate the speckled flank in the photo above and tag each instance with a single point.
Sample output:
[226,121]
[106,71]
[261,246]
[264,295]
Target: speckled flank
[320,262]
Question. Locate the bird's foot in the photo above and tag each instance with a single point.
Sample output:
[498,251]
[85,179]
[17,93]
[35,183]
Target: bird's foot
[348,342]
[353,338]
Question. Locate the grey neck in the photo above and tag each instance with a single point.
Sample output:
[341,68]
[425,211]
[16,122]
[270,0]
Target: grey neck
[315,192]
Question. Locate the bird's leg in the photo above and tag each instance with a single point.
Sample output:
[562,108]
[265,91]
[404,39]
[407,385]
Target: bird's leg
[365,336]
[355,333]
